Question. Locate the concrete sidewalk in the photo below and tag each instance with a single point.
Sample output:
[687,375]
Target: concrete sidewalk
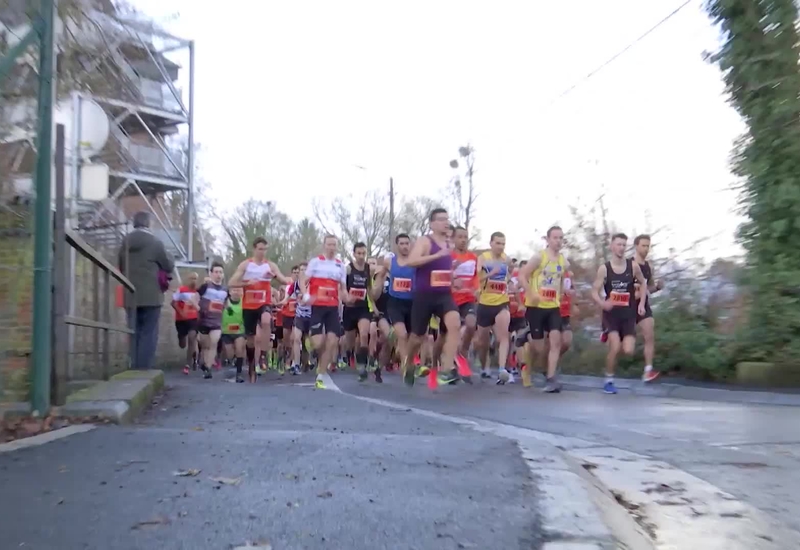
[216,465]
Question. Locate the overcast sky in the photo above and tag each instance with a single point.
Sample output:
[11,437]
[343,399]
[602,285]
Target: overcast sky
[291,95]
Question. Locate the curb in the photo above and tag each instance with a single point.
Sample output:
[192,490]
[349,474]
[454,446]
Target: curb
[118,400]
[666,389]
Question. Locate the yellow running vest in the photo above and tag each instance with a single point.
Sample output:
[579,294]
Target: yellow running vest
[494,290]
[546,282]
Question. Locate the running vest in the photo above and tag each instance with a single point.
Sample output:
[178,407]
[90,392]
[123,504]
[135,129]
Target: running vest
[647,272]
[619,290]
[402,280]
[546,281]
[357,285]
[290,307]
[566,299]
[383,299]
[212,304]
[435,276]
[494,291]
[302,310]
[185,310]
[233,319]
[259,292]
[465,268]
[324,279]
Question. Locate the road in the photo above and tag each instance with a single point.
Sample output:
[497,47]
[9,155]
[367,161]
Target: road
[751,452]
[215,465]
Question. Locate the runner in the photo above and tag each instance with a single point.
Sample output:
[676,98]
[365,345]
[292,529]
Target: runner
[493,314]
[542,281]
[233,338]
[380,330]
[302,319]
[618,277]
[357,316]
[255,275]
[400,279]
[212,303]
[465,267]
[289,310]
[517,326]
[433,284]
[646,322]
[185,302]
[567,310]
[327,285]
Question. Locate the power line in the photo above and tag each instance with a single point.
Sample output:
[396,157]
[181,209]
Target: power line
[619,53]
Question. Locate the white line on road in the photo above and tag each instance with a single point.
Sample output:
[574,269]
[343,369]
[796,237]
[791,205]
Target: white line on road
[47,437]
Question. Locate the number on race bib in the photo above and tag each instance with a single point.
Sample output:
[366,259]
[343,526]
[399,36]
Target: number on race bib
[358,293]
[216,305]
[496,287]
[233,329]
[548,294]
[325,292]
[620,298]
[402,285]
[441,278]
[255,295]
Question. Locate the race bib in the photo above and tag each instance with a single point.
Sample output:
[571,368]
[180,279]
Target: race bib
[258,296]
[358,293]
[327,292]
[496,287]
[548,294]
[401,285]
[216,305]
[232,329]
[441,278]
[620,298]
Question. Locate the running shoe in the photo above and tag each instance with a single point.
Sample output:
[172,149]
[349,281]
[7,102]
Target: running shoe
[378,377]
[552,386]
[609,387]
[409,375]
[650,375]
[319,383]
[186,370]
[362,374]
[449,377]
[206,372]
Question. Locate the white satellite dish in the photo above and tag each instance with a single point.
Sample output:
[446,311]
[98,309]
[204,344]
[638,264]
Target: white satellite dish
[94,127]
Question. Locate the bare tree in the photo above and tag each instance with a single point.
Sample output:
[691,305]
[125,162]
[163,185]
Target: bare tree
[257,219]
[412,217]
[368,222]
[464,197]
[306,241]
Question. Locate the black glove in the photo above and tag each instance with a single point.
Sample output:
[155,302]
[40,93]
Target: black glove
[230,310]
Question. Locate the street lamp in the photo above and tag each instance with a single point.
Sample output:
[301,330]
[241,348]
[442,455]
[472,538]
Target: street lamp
[391,205]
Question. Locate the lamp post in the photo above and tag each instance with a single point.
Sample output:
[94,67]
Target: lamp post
[391,205]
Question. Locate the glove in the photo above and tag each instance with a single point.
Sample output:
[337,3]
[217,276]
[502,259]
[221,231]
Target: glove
[230,310]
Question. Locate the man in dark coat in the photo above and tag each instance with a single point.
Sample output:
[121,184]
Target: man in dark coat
[143,259]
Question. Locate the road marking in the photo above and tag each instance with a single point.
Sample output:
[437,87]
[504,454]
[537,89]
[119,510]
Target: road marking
[329,383]
[47,437]
[676,509]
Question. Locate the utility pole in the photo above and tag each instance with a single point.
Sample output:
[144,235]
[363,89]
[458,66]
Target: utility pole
[391,213]
[41,356]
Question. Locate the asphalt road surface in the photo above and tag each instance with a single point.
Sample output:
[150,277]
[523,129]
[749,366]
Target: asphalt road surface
[749,451]
[215,465]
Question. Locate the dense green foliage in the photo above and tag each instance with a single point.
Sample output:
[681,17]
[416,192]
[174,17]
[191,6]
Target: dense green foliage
[759,63]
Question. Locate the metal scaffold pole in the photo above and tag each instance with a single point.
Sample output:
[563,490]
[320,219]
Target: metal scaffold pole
[41,356]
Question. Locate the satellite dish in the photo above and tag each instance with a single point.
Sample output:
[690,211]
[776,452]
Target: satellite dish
[94,126]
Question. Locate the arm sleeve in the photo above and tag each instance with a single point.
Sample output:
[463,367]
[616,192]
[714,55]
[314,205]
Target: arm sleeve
[202,289]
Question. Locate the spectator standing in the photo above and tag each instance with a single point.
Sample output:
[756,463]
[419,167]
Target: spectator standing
[143,259]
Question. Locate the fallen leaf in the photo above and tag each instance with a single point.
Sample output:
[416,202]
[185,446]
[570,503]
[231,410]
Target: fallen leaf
[62,469]
[160,520]
[198,429]
[191,472]
[183,514]
[60,501]
[326,494]
[227,480]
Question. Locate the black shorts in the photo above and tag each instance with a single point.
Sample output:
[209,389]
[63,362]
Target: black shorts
[648,313]
[288,324]
[624,325]
[425,305]
[352,315]
[399,312]
[565,324]
[517,324]
[230,338]
[206,330]
[542,320]
[522,337]
[274,340]
[278,333]
[325,320]
[252,319]
[303,324]
[466,309]
[185,326]
[487,314]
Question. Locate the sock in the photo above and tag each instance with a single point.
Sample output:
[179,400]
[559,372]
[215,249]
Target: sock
[239,362]
[361,356]
[648,368]
[251,356]
[609,377]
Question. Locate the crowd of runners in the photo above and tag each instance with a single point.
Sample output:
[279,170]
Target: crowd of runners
[431,309]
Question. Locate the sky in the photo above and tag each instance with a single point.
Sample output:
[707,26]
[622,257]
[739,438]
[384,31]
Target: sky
[290,96]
